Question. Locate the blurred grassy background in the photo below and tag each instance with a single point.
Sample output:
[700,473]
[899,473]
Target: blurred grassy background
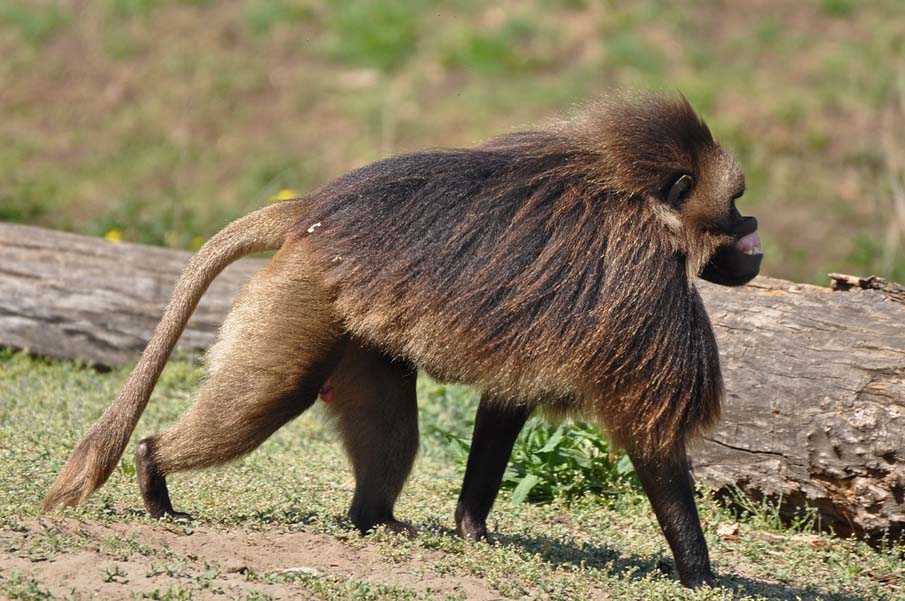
[159,120]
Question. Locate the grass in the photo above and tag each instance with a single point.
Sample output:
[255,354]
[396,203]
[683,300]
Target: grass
[383,35]
[36,24]
[163,119]
[298,483]
[159,120]
[262,17]
[518,45]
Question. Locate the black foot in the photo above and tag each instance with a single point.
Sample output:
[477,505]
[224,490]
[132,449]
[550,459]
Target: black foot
[178,516]
[470,527]
[705,578]
[366,521]
[153,485]
[400,528]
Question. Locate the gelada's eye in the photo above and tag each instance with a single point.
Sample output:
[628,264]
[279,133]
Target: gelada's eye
[679,190]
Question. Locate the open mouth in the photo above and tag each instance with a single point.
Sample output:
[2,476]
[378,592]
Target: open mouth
[737,263]
[750,244]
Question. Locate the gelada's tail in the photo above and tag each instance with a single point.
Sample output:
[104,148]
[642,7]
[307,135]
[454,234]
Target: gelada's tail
[94,459]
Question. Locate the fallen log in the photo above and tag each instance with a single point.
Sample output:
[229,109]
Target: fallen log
[815,403]
[75,297]
[815,379]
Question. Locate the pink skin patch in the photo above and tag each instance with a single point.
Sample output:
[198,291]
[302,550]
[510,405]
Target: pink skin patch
[749,244]
[326,392]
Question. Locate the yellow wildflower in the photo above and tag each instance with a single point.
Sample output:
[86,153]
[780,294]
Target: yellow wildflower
[114,235]
[285,194]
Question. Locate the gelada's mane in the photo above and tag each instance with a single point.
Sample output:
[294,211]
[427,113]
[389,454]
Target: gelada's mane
[538,263]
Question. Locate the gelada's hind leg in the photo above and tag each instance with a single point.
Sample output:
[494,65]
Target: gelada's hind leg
[496,427]
[375,407]
[275,350]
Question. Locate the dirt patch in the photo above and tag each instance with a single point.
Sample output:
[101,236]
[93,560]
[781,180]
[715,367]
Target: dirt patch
[118,560]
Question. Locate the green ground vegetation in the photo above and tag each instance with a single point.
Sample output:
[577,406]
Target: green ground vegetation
[602,545]
[159,120]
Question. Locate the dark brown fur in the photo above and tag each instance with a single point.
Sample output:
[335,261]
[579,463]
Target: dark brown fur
[376,413]
[543,268]
[523,267]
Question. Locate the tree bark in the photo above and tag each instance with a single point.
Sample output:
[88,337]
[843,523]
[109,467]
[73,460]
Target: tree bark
[75,297]
[815,402]
[815,379]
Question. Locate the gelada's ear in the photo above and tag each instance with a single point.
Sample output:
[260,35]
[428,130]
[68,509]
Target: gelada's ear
[679,190]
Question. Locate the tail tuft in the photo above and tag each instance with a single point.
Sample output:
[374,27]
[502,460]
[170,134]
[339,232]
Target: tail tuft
[86,471]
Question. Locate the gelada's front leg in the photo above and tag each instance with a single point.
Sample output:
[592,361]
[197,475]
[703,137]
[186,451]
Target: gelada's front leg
[667,483]
[495,430]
